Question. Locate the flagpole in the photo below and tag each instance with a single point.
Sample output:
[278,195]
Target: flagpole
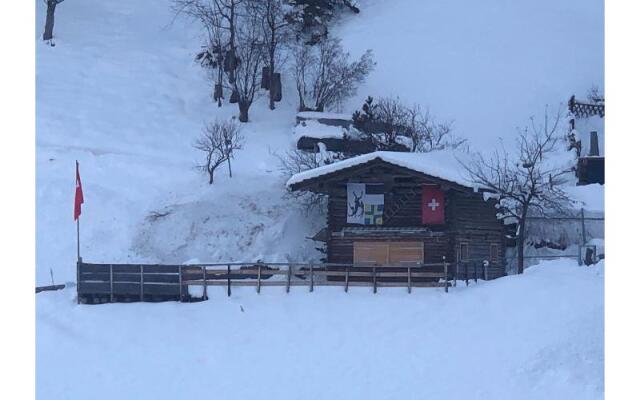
[78,237]
[78,215]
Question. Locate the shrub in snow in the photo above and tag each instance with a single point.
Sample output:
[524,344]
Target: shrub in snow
[325,76]
[310,18]
[217,142]
[392,125]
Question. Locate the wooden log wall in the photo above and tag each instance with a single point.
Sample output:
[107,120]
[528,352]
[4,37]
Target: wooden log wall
[469,219]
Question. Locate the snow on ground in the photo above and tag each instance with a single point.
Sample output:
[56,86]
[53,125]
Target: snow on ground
[532,336]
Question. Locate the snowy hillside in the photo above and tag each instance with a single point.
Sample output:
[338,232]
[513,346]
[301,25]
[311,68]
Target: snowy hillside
[121,94]
[487,65]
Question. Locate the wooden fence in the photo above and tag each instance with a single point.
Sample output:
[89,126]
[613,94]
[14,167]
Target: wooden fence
[100,283]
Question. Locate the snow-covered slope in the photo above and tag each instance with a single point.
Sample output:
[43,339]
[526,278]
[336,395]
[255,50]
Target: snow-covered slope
[532,336]
[121,94]
[487,65]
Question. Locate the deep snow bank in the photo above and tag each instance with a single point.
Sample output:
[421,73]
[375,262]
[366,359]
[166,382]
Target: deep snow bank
[533,336]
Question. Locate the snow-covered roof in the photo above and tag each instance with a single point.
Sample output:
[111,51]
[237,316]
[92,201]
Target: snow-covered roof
[323,115]
[442,164]
[317,130]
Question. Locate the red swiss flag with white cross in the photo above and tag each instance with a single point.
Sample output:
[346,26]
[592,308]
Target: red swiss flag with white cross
[432,205]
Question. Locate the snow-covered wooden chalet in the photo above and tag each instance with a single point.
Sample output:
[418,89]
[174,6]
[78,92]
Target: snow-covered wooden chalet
[399,209]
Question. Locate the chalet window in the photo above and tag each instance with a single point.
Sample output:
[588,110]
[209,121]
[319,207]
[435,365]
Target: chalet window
[463,251]
[493,253]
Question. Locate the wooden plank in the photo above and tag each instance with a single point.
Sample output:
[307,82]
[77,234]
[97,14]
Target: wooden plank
[316,283]
[409,279]
[311,278]
[288,278]
[228,280]
[84,267]
[94,288]
[48,288]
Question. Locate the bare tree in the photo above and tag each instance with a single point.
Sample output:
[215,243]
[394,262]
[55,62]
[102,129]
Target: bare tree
[222,15]
[218,142]
[525,182]
[48,26]
[427,134]
[272,16]
[250,51]
[294,161]
[325,76]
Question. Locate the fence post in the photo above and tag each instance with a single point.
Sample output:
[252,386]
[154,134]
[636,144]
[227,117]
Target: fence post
[475,272]
[446,275]
[288,278]
[180,282]
[455,277]
[584,233]
[311,281]
[204,278]
[346,278]
[141,282]
[466,273]
[375,282]
[485,268]
[228,280]
[111,283]
[409,279]
[259,276]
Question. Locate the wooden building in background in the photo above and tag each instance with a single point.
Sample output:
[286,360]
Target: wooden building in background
[399,209]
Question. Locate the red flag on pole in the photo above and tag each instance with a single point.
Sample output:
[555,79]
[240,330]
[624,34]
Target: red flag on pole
[432,205]
[77,209]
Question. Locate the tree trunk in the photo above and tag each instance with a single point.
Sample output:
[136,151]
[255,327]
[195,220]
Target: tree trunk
[272,67]
[48,26]
[243,106]
[210,177]
[521,239]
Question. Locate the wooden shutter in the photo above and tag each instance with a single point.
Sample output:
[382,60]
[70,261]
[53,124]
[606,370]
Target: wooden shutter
[388,253]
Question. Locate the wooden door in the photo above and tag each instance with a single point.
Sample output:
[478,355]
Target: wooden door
[396,253]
